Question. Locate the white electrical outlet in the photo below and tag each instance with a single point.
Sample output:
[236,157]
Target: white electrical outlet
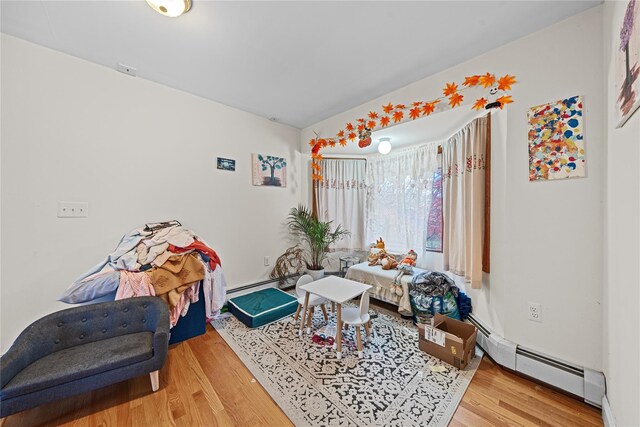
[535,312]
[267,261]
[73,209]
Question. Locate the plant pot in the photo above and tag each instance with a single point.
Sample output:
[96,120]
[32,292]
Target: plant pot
[316,274]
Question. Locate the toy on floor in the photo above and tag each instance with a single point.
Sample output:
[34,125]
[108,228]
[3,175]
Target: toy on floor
[405,267]
[379,243]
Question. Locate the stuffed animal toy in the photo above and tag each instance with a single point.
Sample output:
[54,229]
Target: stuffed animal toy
[379,244]
[377,257]
[405,267]
[389,262]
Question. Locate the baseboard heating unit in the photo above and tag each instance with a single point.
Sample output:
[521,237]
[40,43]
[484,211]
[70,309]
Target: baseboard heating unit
[579,381]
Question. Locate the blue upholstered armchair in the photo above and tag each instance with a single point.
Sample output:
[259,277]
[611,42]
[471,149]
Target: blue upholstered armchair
[84,348]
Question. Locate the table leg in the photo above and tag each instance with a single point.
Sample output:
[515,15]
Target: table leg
[304,313]
[310,319]
[339,331]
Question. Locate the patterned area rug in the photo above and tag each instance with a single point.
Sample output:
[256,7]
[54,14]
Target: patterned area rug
[394,384]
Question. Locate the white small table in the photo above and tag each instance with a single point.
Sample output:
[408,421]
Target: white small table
[334,289]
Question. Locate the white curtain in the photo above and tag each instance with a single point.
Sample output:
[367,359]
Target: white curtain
[464,163]
[341,198]
[399,197]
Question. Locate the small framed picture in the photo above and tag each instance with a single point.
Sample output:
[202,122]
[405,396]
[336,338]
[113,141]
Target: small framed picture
[226,164]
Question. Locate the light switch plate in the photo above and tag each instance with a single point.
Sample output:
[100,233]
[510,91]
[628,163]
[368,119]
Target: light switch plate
[73,209]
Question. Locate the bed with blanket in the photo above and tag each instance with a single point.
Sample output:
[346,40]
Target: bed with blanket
[382,282]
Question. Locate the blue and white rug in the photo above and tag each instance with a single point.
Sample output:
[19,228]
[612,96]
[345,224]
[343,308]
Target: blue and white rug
[394,384]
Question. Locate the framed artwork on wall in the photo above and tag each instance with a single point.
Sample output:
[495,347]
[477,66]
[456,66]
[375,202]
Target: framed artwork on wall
[269,170]
[226,164]
[627,54]
[556,140]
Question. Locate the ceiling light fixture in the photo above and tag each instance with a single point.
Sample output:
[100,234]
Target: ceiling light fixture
[384,145]
[170,8]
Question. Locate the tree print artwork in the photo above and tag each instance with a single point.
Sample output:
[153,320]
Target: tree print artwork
[269,170]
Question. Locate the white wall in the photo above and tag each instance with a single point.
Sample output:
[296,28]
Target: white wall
[137,152]
[546,236]
[621,352]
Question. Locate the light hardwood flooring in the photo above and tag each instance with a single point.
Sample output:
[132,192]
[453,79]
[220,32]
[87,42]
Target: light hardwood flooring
[204,383]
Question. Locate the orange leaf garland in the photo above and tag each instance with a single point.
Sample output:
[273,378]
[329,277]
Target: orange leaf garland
[479,104]
[450,89]
[504,100]
[505,82]
[455,100]
[360,128]
[487,80]
[429,107]
[471,81]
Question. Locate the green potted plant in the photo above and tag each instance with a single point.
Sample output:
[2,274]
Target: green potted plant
[314,237]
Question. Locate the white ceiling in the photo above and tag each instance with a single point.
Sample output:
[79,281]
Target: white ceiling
[299,62]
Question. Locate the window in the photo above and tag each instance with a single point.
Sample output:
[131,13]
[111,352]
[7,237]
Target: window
[399,197]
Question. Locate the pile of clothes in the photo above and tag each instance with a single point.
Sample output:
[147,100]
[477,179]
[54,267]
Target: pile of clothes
[160,259]
[433,292]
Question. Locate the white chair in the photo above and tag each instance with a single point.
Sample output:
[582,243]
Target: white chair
[358,317]
[314,301]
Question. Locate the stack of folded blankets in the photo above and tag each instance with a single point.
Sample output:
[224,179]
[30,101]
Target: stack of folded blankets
[160,259]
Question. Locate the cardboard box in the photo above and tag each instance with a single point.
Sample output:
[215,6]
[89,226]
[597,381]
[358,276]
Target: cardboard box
[449,340]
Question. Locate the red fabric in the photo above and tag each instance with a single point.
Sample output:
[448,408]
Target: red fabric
[214,259]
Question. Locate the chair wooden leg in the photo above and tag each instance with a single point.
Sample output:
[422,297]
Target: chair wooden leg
[297,313]
[324,313]
[309,318]
[333,306]
[155,380]
[359,339]
[366,330]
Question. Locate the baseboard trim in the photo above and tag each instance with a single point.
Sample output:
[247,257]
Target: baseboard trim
[607,414]
[257,284]
[583,383]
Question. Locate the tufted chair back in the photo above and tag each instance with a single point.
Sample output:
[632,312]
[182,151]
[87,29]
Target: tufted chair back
[85,324]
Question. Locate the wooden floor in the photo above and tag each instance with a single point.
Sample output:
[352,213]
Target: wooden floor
[204,383]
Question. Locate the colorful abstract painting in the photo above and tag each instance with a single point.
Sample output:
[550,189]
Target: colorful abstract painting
[556,140]
[628,64]
[269,170]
